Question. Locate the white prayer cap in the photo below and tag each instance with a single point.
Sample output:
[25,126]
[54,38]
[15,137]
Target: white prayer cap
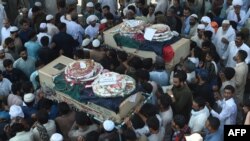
[108,125]
[86,42]
[13,29]
[16,111]
[194,15]
[103,21]
[29,97]
[96,43]
[90,4]
[201,26]
[91,18]
[226,22]
[194,137]
[237,2]
[38,3]
[205,19]
[49,17]
[56,137]
[43,26]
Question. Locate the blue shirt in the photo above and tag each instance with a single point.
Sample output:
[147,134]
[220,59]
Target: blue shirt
[32,48]
[160,77]
[216,136]
[26,66]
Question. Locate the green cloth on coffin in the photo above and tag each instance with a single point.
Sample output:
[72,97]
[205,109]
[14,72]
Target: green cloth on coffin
[126,41]
[72,90]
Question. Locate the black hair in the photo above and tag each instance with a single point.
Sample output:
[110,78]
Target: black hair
[229,73]
[179,120]
[17,127]
[147,87]
[242,55]
[181,75]
[27,87]
[131,7]
[44,41]
[214,122]
[122,55]
[61,26]
[109,16]
[206,43]
[165,101]
[81,118]
[241,35]
[157,13]
[149,110]
[79,53]
[35,9]
[147,63]
[230,87]
[24,20]
[63,108]
[135,62]
[8,40]
[45,103]
[200,101]
[106,7]
[16,87]
[42,116]
[208,34]
[142,74]
[7,62]
[153,123]
[144,11]
[39,63]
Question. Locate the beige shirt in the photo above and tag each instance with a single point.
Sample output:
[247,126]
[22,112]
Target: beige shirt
[23,136]
[50,127]
[241,71]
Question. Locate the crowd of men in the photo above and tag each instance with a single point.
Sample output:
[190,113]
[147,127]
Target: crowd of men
[205,91]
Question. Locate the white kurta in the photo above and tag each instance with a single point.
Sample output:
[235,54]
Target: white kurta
[2,16]
[5,33]
[228,113]
[91,31]
[232,51]
[75,30]
[162,6]
[233,17]
[229,35]
[198,119]
[52,29]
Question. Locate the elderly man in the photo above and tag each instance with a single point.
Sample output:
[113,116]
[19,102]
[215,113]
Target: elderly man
[237,14]
[223,37]
[233,48]
[193,25]
[92,30]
